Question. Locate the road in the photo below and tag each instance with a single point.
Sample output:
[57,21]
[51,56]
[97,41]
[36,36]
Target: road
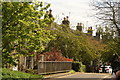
[85,76]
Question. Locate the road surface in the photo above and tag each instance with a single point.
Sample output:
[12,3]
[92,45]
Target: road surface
[85,76]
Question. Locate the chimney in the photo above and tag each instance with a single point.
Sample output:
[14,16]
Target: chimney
[50,14]
[79,26]
[90,31]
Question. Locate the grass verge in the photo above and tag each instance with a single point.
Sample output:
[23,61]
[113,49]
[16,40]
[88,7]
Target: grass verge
[6,73]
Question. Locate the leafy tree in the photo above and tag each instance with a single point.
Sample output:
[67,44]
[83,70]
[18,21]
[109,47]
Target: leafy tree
[75,45]
[23,29]
[111,49]
[108,12]
[112,44]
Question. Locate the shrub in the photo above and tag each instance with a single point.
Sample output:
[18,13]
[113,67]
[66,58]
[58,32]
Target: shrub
[72,71]
[6,73]
[55,55]
[82,68]
[78,67]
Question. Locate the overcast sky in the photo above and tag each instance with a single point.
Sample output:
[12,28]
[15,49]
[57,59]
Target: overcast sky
[77,10]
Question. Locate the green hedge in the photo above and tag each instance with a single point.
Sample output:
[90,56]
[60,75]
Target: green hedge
[82,68]
[78,67]
[6,73]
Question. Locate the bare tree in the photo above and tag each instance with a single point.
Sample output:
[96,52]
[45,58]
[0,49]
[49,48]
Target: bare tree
[109,12]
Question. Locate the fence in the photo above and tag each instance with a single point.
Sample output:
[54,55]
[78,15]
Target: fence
[53,66]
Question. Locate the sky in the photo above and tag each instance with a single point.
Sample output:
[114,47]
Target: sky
[78,11]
